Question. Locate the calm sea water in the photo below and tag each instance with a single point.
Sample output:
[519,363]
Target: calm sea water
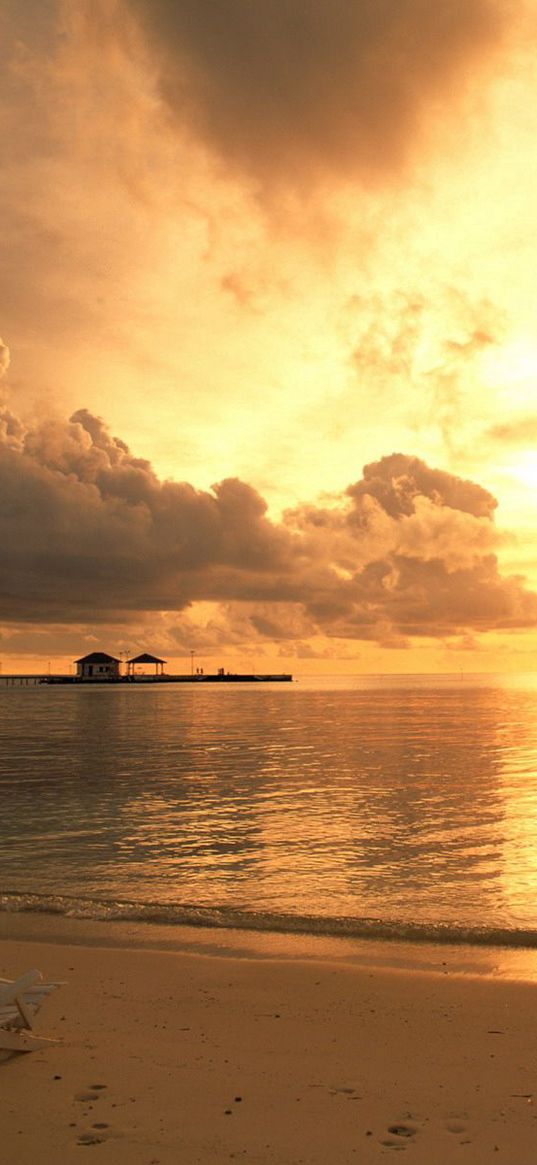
[384,805]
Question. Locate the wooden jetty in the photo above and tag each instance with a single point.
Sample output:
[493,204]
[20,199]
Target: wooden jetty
[227,678]
[31,681]
[100,668]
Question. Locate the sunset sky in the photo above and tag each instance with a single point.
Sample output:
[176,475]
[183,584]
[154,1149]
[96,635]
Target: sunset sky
[269,323]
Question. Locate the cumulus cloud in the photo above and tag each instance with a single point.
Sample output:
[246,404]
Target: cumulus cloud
[89,533]
[291,90]
[397,481]
[90,528]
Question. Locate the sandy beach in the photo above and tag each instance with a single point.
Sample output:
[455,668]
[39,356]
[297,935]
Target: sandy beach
[173,1056]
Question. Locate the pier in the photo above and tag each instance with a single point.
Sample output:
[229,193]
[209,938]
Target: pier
[100,668]
[26,681]
[227,678]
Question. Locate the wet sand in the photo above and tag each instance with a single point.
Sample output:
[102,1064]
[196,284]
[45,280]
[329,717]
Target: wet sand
[170,1055]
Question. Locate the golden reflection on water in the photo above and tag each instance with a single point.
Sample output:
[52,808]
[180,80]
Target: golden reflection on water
[516,744]
[408,800]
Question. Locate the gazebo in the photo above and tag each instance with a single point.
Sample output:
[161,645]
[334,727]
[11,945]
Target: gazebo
[145,658]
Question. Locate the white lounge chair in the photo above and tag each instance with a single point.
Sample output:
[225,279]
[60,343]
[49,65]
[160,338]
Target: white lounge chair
[20,999]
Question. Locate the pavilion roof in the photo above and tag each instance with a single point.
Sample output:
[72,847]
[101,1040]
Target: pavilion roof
[97,657]
[146,658]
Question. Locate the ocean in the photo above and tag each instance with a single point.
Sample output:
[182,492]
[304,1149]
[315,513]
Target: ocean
[367,806]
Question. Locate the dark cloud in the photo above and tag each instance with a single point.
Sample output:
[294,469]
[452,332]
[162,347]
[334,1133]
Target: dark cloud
[90,534]
[420,598]
[398,480]
[296,89]
[91,529]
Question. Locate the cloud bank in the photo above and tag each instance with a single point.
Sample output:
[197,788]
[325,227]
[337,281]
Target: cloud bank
[90,534]
[294,90]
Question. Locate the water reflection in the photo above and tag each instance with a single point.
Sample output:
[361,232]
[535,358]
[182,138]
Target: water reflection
[412,801]
[516,744]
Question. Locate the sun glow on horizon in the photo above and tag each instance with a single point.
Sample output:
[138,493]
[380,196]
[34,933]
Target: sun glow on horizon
[512,365]
[525,469]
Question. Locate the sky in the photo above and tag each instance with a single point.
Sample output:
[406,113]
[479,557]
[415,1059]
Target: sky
[269,333]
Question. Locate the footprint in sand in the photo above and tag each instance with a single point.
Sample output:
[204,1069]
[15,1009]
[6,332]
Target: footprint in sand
[96,1135]
[456,1120]
[458,1129]
[399,1133]
[90,1139]
[91,1093]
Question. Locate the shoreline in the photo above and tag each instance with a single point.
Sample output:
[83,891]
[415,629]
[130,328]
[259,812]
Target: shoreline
[489,960]
[332,1060]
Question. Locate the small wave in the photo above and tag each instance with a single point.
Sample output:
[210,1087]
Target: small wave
[228,917]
